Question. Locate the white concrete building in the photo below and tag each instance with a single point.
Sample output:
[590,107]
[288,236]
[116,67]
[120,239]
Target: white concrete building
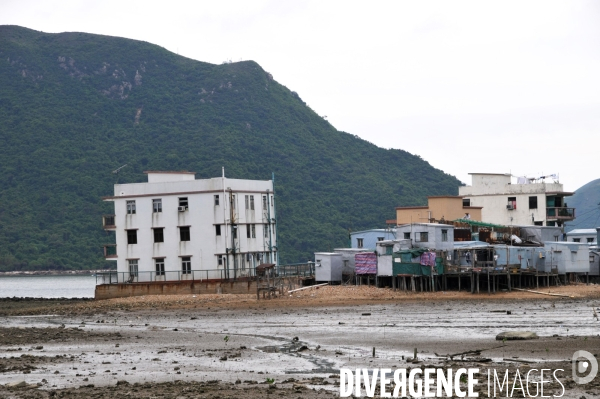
[521,201]
[175,227]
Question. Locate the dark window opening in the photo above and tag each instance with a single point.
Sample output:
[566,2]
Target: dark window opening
[359,242]
[217,200]
[407,236]
[184,233]
[159,235]
[533,203]
[218,230]
[466,202]
[131,236]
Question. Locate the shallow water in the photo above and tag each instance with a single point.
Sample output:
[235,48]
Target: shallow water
[47,286]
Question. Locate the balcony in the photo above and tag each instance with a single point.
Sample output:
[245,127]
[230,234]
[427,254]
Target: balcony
[110,251]
[560,213]
[108,222]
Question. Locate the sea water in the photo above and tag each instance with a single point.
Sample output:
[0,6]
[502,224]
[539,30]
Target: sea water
[52,286]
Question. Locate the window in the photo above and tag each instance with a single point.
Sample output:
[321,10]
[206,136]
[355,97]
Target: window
[253,228]
[235,228]
[389,250]
[380,238]
[247,231]
[590,240]
[466,202]
[157,205]
[576,239]
[272,200]
[444,235]
[422,236]
[359,242]
[252,202]
[183,201]
[532,202]
[220,259]
[407,236]
[159,264]
[218,230]
[131,236]
[216,199]
[186,265]
[266,230]
[159,234]
[133,268]
[184,233]
[247,201]
[131,207]
[555,238]
[264,202]
[512,203]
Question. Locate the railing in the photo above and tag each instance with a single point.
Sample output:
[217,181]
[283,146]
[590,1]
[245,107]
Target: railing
[108,222]
[110,251]
[560,213]
[296,270]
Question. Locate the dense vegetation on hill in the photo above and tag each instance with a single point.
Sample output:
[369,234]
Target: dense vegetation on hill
[75,106]
[586,202]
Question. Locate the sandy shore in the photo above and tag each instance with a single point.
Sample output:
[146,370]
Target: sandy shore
[215,346]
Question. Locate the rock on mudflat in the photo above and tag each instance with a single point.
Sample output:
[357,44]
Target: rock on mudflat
[516,335]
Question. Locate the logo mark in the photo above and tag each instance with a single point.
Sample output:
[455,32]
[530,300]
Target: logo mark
[590,364]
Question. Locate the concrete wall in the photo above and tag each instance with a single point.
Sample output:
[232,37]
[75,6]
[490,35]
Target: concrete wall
[446,207]
[370,238]
[434,231]
[107,291]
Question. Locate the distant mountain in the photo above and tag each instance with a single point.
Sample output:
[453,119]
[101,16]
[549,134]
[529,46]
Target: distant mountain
[586,202]
[76,106]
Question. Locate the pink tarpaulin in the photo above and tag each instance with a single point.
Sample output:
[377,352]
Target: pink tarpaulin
[366,263]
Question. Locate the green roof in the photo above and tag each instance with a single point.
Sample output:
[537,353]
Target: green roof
[480,224]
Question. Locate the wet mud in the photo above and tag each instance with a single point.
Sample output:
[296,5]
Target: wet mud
[290,351]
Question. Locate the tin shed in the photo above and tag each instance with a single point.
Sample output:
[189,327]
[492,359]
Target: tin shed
[328,267]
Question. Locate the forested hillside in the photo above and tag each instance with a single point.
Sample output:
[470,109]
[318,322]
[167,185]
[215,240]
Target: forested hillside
[76,106]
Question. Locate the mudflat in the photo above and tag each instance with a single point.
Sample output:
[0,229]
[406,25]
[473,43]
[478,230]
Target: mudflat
[215,346]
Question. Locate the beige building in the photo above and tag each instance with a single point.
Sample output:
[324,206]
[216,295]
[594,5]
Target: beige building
[445,207]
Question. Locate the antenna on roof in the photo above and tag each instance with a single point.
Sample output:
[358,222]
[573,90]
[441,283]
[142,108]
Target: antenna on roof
[116,172]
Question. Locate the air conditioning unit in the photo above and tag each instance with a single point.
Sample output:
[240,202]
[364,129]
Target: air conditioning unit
[510,207]
[181,208]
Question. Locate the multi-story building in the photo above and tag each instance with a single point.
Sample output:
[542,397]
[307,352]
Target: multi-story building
[517,202]
[175,227]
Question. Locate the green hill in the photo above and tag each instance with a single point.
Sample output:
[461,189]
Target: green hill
[586,202]
[75,106]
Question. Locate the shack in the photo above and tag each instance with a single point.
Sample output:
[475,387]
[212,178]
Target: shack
[328,267]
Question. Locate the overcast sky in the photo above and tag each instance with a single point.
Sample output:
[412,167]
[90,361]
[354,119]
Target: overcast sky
[470,86]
